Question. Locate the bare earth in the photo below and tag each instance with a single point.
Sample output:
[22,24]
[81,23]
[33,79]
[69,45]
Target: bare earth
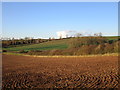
[53,72]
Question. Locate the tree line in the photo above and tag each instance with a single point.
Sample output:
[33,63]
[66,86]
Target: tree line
[14,42]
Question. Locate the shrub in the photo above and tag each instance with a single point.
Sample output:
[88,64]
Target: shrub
[102,40]
[78,42]
[70,51]
[74,43]
[55,52]
[116,47]
[91,49]
[34,52]
[23,51]
[109,48]
[4,50]
[110,41]
[100,49]
[84,50]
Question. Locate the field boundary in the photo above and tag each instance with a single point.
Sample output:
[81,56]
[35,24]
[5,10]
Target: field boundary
[18,54]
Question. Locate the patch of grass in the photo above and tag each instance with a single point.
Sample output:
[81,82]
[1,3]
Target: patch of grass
[112,37]
[11,53]
[56,44]
[20,54]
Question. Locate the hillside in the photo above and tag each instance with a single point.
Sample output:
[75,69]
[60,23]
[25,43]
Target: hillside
[55,44]
[69,46]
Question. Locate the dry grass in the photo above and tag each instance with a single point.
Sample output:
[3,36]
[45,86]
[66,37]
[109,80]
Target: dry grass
[57,72]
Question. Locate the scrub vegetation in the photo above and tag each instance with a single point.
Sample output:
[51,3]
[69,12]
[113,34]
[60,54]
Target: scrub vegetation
[66,46]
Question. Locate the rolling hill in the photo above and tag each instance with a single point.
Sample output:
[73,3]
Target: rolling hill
[55,44]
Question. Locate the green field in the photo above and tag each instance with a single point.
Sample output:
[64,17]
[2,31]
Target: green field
[112,37]
[56,44]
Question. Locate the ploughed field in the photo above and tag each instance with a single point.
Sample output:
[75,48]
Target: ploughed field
[60,72]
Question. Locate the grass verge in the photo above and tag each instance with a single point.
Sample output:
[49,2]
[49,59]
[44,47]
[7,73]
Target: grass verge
[109,54]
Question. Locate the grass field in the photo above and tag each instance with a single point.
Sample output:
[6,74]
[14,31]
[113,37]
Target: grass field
[57,44]
[59,72]
[112,37]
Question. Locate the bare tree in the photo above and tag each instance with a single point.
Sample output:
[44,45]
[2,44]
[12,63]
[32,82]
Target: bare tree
[100,34]
[95,34]
[60,36]
[66,35]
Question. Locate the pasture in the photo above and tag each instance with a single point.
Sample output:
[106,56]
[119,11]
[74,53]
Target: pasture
[56,44]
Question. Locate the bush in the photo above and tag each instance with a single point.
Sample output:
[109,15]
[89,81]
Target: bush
[74,43]
[78,42]
[70,51]
[110,41]
[55,52]
[91,49]
[100,49]
[34,52]
[23,51]
[4,50]
[84,50]
[116,47]
[109,48]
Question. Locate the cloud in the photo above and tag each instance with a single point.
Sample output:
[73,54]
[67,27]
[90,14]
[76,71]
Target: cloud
[61,34]
[65,33]
[71,33]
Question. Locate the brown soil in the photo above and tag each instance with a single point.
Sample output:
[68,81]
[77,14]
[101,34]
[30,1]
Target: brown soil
[62,72]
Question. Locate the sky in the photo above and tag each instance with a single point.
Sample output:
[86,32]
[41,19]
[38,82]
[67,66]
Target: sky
[46,19]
